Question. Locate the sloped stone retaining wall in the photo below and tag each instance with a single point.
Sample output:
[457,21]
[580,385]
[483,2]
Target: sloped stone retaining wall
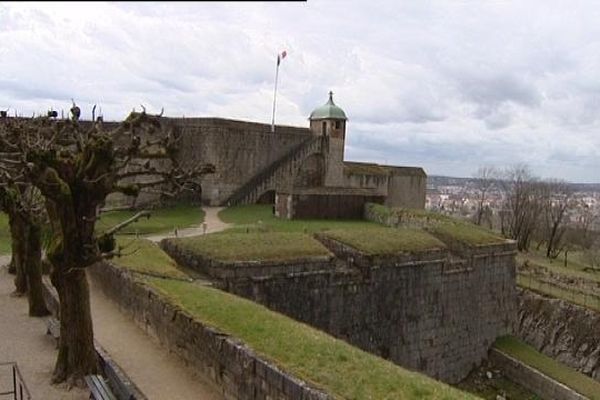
[564,331]
[226,361]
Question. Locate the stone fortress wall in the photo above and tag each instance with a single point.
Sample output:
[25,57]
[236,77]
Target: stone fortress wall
[437,312]
[238,149]
[242,150]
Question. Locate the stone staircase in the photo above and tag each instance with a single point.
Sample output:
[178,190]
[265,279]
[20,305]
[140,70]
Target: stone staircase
[277,175]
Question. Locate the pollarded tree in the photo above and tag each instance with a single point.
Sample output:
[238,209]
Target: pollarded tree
[24,208]
[76,166]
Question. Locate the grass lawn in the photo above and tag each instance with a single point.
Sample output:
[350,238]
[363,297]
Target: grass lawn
[161,220]
[466,232]
[247,217]
[568,376]
[254,246]
[329,363]
[4,234]
[147,258]
[379,240]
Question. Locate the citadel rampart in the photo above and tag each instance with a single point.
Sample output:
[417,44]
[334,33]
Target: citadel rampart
[238,149]
[436,312]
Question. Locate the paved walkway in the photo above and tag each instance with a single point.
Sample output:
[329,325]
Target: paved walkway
[23,339]
[211,219]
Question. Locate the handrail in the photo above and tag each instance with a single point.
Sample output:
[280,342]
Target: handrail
[19,389]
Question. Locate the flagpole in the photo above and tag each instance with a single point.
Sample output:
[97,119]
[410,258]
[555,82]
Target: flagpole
[275,95]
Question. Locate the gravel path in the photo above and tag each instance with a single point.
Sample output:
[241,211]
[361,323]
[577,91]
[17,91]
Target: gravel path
[211,219]
[23,339]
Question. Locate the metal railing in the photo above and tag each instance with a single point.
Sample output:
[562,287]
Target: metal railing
[19,390]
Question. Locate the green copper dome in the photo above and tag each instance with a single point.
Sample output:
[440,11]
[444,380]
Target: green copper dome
[328,111]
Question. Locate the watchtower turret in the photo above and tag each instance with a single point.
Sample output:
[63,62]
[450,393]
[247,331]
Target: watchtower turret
[330,120]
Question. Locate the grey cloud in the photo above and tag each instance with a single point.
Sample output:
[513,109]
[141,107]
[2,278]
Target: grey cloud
[446,85]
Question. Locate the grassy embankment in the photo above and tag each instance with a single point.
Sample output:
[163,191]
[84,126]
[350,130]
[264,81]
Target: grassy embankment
[440,225]
[575,282]
[560,372]
[326,362]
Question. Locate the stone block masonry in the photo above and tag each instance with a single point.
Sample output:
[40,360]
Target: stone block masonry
[432,312]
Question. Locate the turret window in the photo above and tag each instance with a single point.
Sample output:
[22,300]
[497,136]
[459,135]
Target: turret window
[324,127]
[337,124]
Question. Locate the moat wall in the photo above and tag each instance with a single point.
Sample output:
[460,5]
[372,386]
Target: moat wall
[566,332]
[424,312]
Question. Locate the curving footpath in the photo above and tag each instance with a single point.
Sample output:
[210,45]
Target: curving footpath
[211,219]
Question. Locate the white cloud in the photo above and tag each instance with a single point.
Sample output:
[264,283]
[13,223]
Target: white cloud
[443,84]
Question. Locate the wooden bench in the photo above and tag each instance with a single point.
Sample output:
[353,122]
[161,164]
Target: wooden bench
[99,389]
[53,328]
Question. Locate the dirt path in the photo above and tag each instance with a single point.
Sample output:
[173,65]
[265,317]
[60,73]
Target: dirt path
[23,339]
[158,373]
[211,219]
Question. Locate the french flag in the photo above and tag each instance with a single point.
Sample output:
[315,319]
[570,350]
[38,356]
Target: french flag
[281,57]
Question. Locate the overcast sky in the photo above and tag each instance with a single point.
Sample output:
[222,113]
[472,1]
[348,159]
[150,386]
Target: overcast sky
[446,85]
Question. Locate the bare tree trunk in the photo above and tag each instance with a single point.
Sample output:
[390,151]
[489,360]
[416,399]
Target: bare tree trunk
[11,265]
[19,249]
[76,354]
[33,272]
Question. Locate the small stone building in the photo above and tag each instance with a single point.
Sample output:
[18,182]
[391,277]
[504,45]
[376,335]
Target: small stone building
[326,186]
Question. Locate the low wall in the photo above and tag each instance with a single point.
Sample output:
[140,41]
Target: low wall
[224,360]
[430,312]
[532,379]
[566,332]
